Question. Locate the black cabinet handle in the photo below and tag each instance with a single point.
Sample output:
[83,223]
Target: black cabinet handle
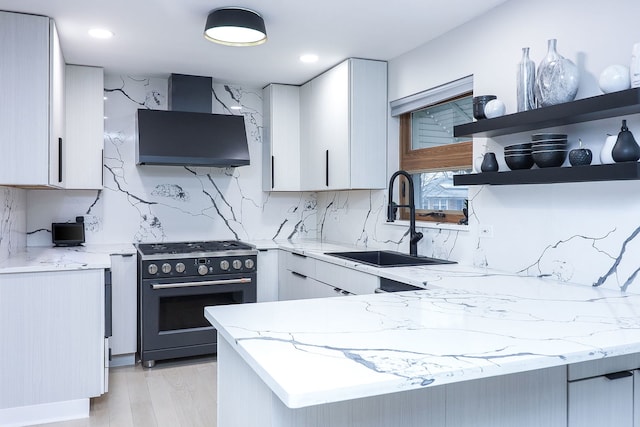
[302,276]
[59,159]
[618,375]
[326,169]
[273,179]
[297,254]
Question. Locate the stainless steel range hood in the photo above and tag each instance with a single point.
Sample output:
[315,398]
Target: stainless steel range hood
[188,134]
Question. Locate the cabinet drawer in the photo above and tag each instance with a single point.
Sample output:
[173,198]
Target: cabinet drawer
[594,368]
[300,263]
[601,401]
[350,280]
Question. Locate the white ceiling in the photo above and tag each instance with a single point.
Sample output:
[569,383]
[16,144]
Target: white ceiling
[160,37]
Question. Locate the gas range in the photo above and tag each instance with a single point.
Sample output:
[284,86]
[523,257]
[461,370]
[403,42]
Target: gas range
[184,259]
[176,281]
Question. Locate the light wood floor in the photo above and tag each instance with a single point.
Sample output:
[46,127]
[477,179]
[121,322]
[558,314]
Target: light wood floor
[173,394]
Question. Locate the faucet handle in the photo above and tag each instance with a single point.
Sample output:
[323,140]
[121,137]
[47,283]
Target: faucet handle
[417,237]
[392,208]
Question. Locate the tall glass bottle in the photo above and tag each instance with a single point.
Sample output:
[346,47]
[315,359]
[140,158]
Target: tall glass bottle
[526,82]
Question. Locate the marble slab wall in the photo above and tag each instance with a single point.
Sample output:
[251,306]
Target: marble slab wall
[13,221]
[173,203]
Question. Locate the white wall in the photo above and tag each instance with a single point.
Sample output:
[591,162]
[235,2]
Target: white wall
[578,232]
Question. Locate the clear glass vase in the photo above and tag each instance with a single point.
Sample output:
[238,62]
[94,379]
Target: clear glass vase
[557,78]
[526,82]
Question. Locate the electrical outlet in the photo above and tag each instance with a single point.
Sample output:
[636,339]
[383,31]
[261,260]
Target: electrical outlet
[486,231]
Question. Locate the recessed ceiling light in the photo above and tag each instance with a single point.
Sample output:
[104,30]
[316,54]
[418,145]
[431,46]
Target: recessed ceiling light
[309,57]
[100,33]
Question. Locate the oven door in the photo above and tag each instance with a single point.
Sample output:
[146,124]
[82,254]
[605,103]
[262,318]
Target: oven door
[173,309]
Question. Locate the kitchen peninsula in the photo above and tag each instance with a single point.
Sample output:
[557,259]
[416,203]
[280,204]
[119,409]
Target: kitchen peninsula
[481,349]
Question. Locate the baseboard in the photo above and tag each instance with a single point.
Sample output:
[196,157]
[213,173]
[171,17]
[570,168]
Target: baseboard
[122,360]
[44,413]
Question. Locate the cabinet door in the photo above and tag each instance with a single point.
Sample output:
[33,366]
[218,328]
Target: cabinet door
[368,131]
[601,401]
[124,304]
[281,143]
[52,329]
[636,398]
[267,275]
[84,127]
[330,114]
[57,138]
[24,100]
[309,166]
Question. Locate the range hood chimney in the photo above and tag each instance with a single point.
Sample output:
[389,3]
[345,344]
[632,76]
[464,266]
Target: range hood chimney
[188,134]
[190,93]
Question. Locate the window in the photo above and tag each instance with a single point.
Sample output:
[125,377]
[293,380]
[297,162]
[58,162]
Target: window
[432,155]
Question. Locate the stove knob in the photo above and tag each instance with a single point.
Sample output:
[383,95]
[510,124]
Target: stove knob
[166,268]
[224,265]
[202,269]
[180,267]
[153,269]
[248,263]
[237,264]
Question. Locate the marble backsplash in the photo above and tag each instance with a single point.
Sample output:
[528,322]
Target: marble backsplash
[166,203]
[13,223]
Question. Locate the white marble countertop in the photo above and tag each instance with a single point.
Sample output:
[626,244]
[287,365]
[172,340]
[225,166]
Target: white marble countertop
[479,325]
[48,258]
[424,276]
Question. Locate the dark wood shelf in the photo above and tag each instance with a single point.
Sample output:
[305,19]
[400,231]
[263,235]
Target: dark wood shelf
[595,108]
[613,172]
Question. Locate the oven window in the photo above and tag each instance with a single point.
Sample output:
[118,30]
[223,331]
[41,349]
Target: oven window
[187,312]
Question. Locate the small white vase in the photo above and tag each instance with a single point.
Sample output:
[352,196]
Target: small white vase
[634,67]
[606,157]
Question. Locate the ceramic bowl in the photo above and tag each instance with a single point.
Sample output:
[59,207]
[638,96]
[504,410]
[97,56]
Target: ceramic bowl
[519,161]
[549,158]
[543,136]
[518,146]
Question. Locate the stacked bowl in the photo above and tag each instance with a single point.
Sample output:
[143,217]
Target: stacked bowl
[518,156]
[549,149]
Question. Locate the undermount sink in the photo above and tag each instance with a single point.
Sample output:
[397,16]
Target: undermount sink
[388,258]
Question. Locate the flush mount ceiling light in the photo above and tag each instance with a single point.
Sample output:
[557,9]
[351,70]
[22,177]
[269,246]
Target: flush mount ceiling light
[234,26]
[100,33]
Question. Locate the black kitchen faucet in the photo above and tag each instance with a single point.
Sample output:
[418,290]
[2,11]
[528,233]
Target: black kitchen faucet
[414,237]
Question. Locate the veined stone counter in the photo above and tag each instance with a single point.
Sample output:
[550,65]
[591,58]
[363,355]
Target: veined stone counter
[312,352]
[47,258]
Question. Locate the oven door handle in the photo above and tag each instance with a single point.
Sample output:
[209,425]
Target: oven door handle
[203,283]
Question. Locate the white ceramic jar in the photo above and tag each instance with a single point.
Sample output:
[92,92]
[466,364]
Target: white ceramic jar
[634,67]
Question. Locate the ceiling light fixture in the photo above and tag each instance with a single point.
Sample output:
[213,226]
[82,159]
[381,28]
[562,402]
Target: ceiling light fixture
[309,58]
[235,26]
[100,33]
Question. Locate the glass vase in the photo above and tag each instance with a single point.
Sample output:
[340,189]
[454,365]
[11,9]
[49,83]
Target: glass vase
[557,78]
[526,82]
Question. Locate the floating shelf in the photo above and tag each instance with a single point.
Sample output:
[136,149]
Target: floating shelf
[614,172]
[595,108]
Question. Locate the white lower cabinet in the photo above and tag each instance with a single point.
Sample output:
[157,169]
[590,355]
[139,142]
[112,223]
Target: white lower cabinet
[124,305]
[302,277]
[51,337]
[604,392]
[602,401]
[267,288]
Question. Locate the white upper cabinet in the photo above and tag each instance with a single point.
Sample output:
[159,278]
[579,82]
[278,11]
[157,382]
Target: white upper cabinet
[84,125]
[32,101]
[342,130]
[281,141]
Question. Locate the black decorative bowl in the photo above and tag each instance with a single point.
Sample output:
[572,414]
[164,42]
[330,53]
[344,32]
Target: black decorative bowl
[519,161]
[550,158]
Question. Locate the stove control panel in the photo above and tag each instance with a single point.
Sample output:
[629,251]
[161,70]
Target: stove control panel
[185,267]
